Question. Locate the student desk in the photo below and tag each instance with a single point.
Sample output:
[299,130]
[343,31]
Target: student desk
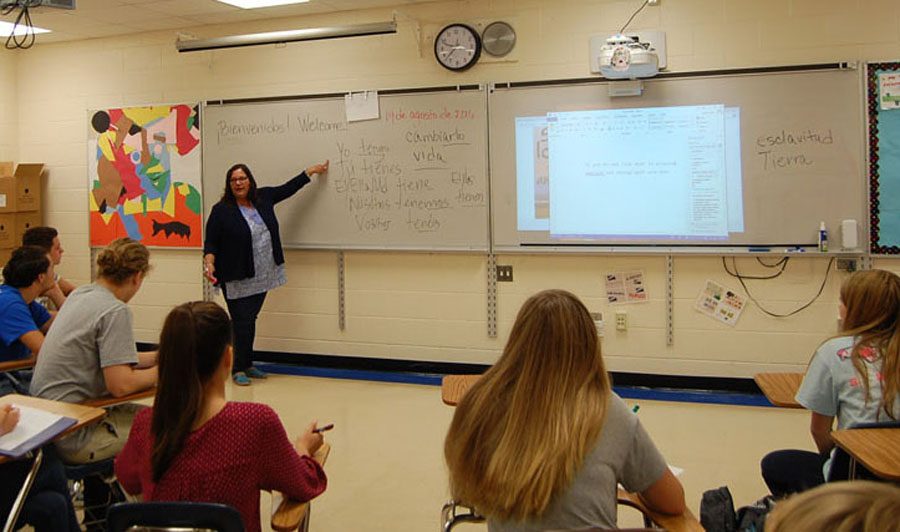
[109,400]
[878,449]
[780,388]
[454,387]
[83,415]
[13,365]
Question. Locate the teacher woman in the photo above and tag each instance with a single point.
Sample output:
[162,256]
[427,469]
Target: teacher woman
[242,254]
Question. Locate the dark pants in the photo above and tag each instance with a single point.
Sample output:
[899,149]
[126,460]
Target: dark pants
[792,471]
[243,313]
[48,506]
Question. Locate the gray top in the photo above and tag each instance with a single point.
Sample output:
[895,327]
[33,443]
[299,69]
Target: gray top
[93,330]
[268,275]
[623,454]
[832,386]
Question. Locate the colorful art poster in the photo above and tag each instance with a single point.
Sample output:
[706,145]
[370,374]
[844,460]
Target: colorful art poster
[625,287]
[144,175]
[720,303]
[889,90]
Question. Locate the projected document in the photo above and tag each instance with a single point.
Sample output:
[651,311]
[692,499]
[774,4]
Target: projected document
[532,174]
[638,173]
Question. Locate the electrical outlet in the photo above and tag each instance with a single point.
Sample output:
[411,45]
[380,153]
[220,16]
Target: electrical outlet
[504,274]
[598,322]
[847,265]
[621,320]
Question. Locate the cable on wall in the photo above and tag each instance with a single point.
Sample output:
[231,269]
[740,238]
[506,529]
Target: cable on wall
[23,19]
[782,263]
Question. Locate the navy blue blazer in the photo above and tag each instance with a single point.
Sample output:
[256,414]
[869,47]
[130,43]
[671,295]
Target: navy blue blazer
[228,235]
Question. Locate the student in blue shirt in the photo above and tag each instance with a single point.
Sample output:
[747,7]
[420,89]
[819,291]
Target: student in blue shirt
[23,321]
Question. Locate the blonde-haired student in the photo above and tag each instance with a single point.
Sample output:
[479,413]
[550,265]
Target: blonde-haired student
[854,377]
[858,506]
[541,440]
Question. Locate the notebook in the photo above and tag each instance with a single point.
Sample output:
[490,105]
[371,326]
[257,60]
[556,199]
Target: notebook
[35,428]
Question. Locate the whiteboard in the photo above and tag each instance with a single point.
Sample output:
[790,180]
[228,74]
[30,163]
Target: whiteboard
[788,187]
[415,178]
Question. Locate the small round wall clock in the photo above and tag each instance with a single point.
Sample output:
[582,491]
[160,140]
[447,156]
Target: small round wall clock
[457,47]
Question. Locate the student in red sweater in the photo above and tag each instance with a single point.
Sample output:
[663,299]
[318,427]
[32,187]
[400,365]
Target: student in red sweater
[193,445]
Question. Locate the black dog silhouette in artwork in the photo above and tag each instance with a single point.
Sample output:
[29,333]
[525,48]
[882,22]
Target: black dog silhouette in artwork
[170,228]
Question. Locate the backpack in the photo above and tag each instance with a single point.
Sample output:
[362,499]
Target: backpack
[717,512]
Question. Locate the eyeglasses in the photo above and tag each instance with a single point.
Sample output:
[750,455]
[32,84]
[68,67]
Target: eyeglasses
[239,179]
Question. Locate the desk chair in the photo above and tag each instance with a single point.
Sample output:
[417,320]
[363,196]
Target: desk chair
[103,470]
[19,501]
[845,467]
[8,373]
[288,514]
[454,513]
[180,516]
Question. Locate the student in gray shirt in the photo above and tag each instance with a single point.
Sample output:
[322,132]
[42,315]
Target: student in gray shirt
[90,352]
[540,441]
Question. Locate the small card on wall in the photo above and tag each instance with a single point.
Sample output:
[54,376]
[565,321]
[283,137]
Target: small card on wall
[889,90]
[362,106]
[625,287]
[720,303]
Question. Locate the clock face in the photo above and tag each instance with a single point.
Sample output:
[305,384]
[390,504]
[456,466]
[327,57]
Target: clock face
[457,47]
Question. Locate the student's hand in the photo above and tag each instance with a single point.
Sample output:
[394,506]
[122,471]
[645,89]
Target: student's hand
[9,417]
[309,442]
[317,169]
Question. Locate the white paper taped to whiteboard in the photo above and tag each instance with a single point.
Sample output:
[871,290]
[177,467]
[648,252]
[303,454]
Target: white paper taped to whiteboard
[362,106]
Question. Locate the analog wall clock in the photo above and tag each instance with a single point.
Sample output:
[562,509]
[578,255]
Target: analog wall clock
[457,47]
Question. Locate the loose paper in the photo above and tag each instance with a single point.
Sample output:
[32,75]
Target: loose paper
[625,287]
[362,106]
[720,303]
[889,90]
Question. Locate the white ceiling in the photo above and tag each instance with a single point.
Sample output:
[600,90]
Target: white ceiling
[103,18]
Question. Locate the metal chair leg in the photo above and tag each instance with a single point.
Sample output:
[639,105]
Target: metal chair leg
[23,493]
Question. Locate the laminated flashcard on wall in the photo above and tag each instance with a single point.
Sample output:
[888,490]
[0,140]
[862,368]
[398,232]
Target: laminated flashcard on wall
[362,106]
[889,90]
[720,303]
[625,287]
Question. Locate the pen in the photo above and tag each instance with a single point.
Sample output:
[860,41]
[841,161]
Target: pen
[636,408]
[759,250]
[323,428]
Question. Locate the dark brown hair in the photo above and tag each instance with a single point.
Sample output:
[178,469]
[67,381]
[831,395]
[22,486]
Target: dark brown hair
[40,236]
[228,195]
[25,265]
[191,345]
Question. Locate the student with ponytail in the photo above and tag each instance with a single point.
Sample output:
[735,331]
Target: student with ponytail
[854,377]
[540,441]
[193,445]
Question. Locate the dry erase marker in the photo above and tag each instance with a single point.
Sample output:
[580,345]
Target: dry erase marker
[323,428]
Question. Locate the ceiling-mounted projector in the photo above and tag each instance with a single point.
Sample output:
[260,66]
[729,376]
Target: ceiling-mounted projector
[626,57]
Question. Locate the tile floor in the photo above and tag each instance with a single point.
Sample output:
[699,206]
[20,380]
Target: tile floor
[386,469]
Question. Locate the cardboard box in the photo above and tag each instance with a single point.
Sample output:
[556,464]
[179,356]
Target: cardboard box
[23,222]
[5,254]
[8,232]
[22,192]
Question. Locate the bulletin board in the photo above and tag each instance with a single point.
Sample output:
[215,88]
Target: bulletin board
[883,91]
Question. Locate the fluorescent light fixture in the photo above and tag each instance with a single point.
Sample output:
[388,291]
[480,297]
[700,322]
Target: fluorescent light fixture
[6,28]
[277,37]
[254,4]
